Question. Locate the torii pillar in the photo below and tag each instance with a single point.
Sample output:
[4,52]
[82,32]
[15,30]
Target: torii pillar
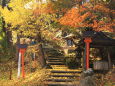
[22,50]
[87,42]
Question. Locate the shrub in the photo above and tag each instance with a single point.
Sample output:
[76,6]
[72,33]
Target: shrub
[71,62]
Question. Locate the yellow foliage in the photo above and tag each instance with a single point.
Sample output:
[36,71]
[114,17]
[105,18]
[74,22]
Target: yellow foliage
[18,15]
[31,22]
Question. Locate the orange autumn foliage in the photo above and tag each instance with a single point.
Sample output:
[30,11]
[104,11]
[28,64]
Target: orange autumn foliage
[89,16]
[73,18]
[102,8]
[43,9]
[49,8]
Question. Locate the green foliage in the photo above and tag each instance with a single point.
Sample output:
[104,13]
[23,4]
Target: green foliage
[6,1]
[7,53]
[1,24]
[3,42]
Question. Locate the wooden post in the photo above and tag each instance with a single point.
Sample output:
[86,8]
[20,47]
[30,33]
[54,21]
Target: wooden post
[109,60]
[87,41]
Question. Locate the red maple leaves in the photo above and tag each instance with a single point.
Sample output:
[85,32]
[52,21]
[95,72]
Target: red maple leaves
[87,15]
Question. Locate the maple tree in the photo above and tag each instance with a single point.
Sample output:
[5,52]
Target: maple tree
[88,15]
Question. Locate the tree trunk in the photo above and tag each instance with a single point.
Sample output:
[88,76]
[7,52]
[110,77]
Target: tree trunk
[109,59]
[4,30]
[42,56]
[17,50]
[9,38]
[41,52]
[8,35]
[10,73]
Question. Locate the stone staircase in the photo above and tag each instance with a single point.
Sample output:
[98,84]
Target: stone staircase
[60,75]
[55,60]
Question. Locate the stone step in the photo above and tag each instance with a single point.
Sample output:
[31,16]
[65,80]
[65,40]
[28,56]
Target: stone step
[60,84]
[67,75]
[53,59]
[61,80]
[59,67]
[55,63]
[55,56]
[54,53]
[64,71]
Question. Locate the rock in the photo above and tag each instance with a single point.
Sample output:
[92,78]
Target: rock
[87,78]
